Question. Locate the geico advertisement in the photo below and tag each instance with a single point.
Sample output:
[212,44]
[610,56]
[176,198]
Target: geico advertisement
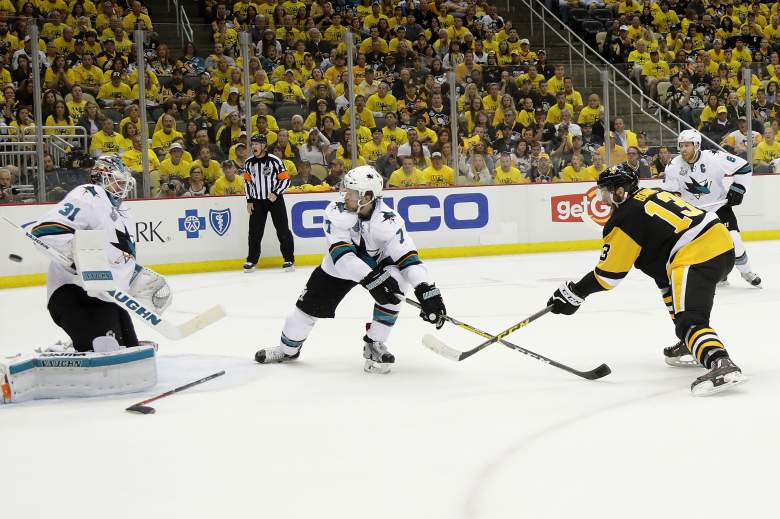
[421,212]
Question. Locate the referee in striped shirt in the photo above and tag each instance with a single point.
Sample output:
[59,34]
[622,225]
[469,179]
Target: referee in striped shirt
[265,180]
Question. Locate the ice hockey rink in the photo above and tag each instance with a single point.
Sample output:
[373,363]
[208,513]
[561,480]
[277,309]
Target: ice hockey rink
[499,435]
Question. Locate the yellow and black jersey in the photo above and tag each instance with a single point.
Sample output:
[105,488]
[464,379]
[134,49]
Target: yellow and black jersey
[656,231]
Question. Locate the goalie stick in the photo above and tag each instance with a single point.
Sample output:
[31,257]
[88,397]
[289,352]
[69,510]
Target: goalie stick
[441,348]
[141,408]
[134,307]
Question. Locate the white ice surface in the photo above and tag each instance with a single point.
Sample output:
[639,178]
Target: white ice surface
[499,435]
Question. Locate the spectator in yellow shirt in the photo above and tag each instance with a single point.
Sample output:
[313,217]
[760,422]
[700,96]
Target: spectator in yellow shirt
[554,113]
[175,165]
[115,94]
[229,183]
[407,175]
[438,174]
[381,102]
[162,139]
[106,141]
[507,173]
[766,152]
[363,115]
[576,171]
[375,148]
[655,71]
[593,112]
[211,168]
[136,19]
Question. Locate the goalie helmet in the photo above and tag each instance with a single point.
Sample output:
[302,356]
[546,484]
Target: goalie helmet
[363,179]
[689,136]
[111,174]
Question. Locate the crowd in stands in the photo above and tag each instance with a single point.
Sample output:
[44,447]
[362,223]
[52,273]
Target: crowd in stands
[689,56]
[520,119]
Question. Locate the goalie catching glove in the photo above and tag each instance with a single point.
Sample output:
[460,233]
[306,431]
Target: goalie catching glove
[382,286]
[151,287]
[565,300]
[431,303]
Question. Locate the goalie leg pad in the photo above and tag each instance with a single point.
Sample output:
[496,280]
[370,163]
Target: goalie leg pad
[77,374]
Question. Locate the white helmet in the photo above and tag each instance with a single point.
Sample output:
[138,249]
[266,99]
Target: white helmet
[689,136]
[363,179]
[111,174]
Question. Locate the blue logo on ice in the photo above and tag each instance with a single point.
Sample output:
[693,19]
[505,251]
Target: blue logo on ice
[220,220]
[192,224]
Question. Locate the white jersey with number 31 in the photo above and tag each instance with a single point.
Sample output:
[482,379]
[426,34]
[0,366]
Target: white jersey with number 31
[700,183]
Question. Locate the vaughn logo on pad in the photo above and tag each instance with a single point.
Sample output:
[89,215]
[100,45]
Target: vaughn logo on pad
[573,208]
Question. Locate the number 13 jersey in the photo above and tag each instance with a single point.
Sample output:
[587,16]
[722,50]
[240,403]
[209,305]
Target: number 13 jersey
[657,231]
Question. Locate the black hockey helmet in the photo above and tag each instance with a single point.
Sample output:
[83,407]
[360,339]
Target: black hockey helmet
[619,176]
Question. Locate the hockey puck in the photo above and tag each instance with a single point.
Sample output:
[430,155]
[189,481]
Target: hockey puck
[15,258]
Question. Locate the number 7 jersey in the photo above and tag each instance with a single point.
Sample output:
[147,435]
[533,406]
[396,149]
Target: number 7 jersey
[657,231]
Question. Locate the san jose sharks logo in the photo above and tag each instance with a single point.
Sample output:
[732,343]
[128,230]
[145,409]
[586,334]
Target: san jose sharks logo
[220,220]
[697,189]
[388,215]
[124,242]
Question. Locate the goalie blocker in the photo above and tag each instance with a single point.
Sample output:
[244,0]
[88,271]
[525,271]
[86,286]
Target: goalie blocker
[77,374]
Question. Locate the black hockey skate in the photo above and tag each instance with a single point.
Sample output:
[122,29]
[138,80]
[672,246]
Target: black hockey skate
[288,266]
[678,356]
[377,357]
[752,278]
[723,375]
[273,355]
[249,267]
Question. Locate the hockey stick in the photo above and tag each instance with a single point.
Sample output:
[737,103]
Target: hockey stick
[594,374]
[444,350]
[141,408]
[132,305]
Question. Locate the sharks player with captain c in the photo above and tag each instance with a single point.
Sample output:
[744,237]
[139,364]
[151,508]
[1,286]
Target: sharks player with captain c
[368,245]
[697,175]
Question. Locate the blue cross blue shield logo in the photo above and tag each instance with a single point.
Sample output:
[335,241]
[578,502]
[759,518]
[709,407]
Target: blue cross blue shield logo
[220,220]
[192,224]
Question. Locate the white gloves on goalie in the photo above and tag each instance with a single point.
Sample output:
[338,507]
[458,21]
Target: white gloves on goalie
[151,287]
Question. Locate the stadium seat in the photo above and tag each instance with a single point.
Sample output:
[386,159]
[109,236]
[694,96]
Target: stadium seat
[590,28]
[577,15]
[113,114]
[602,15]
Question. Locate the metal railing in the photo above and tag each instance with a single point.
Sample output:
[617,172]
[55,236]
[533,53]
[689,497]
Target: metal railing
[183,25]
[580,47]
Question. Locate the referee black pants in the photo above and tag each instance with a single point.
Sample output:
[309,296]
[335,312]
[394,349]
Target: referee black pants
[260,210]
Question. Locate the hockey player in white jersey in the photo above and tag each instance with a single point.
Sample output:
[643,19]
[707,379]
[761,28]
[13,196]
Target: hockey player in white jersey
[697,176]
[368,245]
[95,323]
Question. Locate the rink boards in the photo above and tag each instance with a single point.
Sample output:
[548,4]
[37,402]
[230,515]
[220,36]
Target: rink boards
[207,234]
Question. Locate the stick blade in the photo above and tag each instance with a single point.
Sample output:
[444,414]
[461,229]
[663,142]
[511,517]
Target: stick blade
[440,348]
[140,409]
[600,372]
[201,321]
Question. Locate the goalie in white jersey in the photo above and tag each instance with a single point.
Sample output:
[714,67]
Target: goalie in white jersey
[697,176]
[369,245]
[95,323]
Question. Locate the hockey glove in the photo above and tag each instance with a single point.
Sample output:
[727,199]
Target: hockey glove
[383,287]
[432,304]
[565,300]
[150,286]
[735,194]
